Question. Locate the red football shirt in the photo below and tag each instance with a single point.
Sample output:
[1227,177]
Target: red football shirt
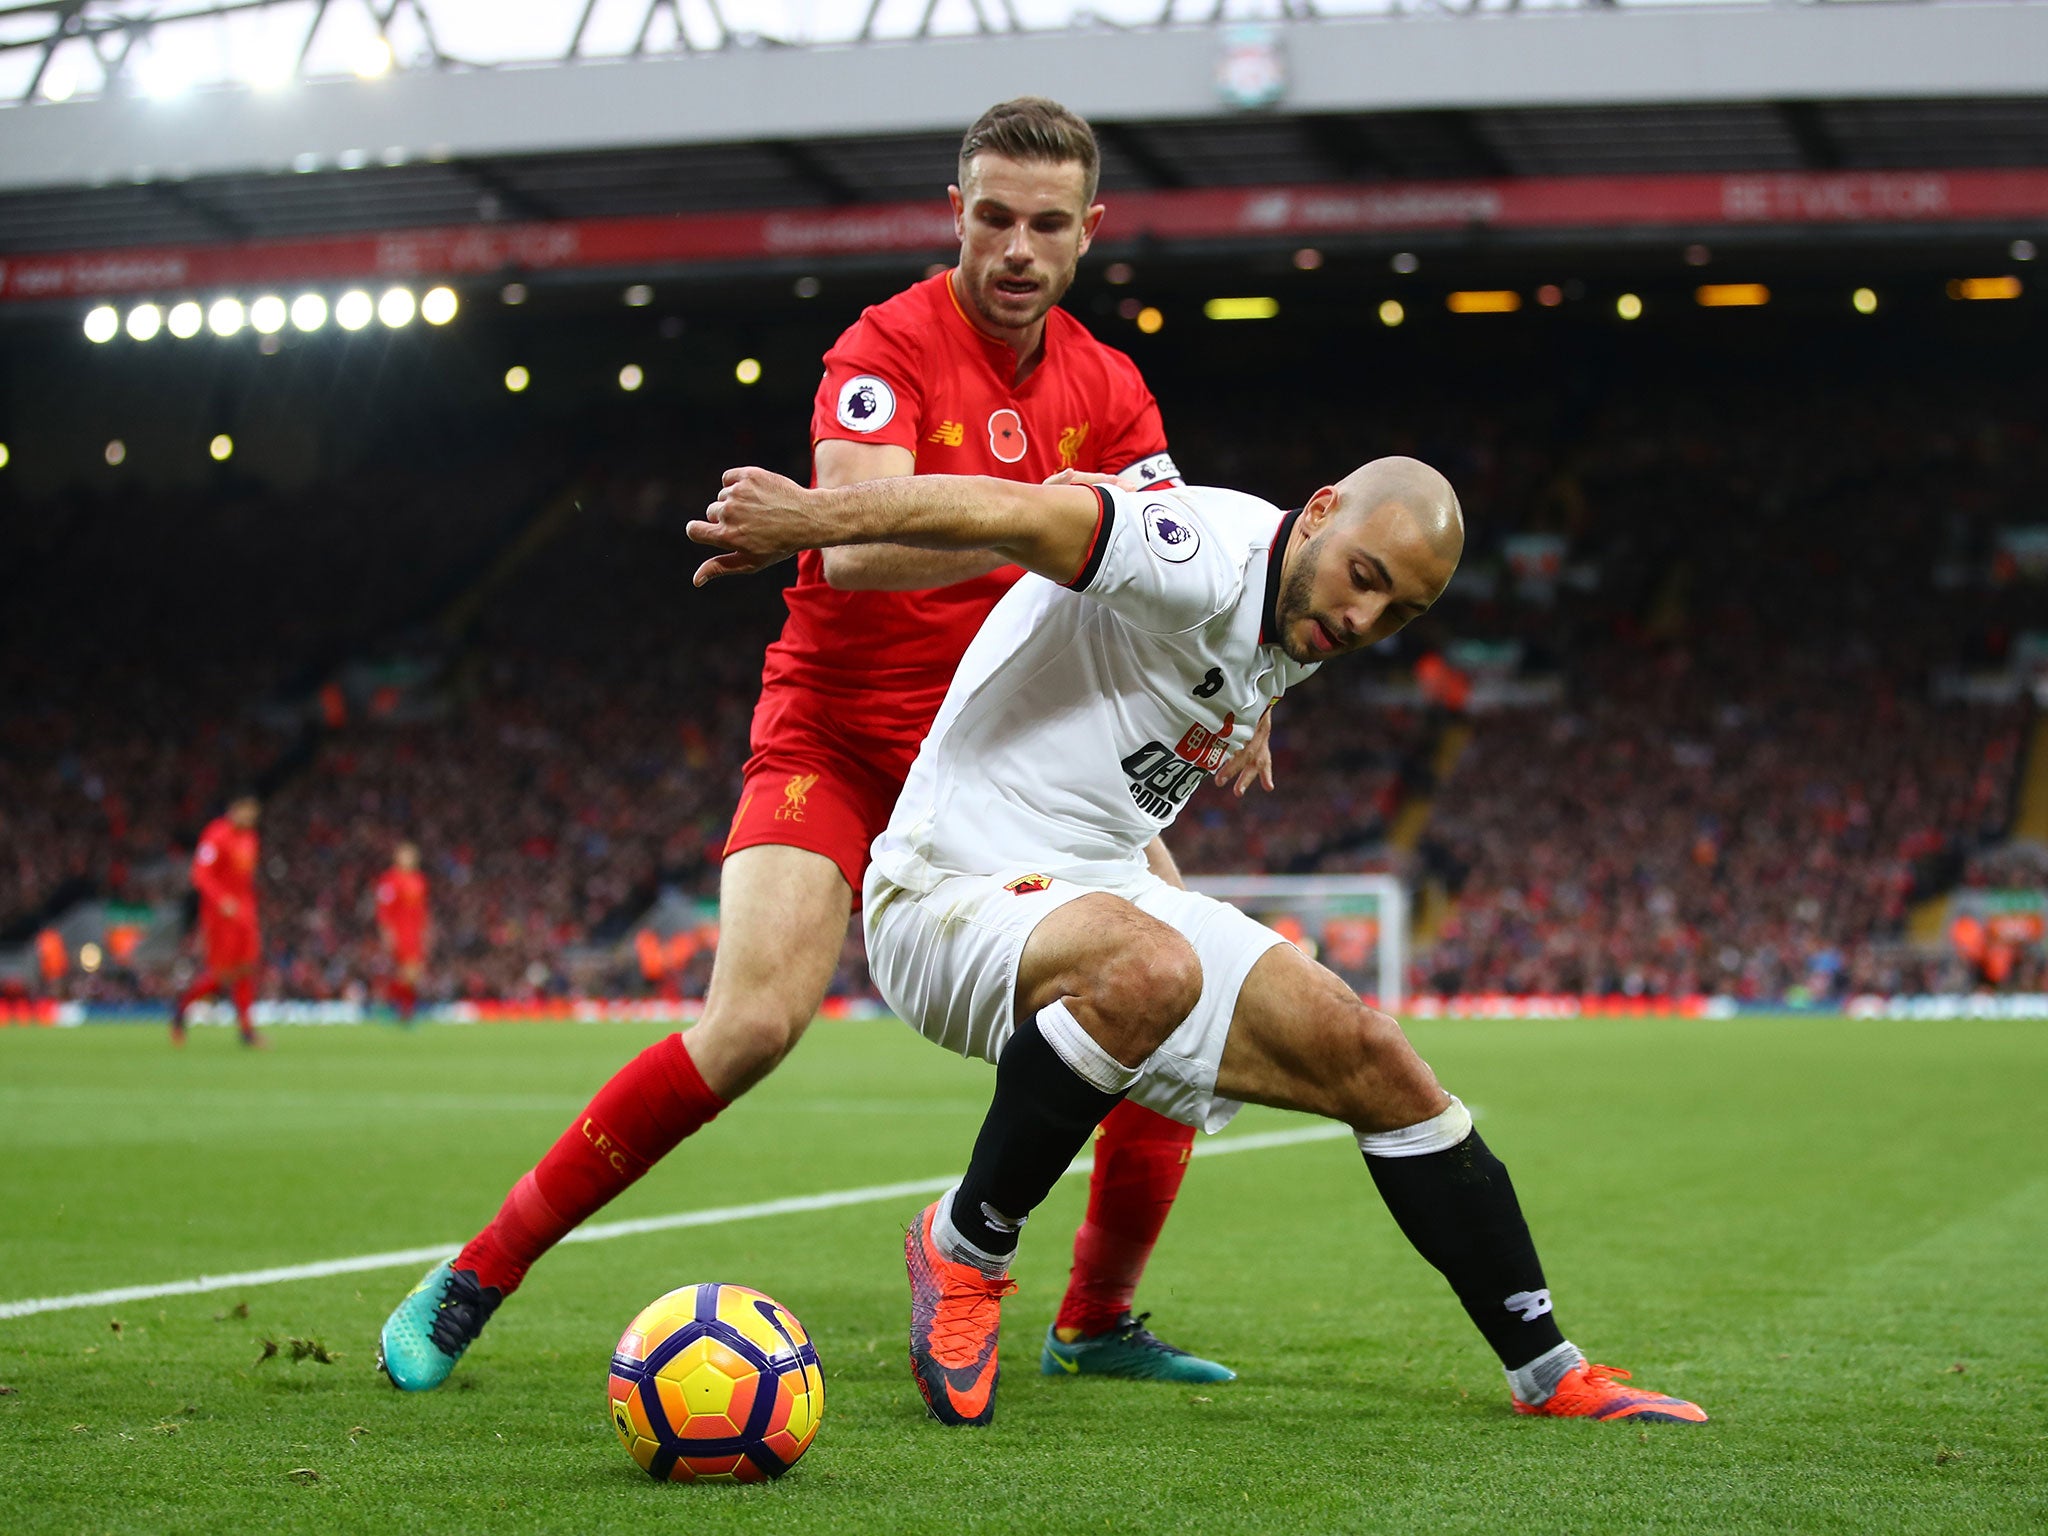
[865,672]
[224,868]
[402,904]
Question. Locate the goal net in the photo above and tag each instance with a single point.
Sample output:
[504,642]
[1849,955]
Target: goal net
[1357,925]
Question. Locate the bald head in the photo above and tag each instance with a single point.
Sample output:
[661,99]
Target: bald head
[1369,554]
[1410,489]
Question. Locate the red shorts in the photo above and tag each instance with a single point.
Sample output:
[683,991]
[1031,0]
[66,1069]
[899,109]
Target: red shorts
[812,799]
[407,948]
[230,943]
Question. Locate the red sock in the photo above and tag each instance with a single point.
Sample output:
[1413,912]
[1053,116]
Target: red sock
[245,994]
[405,997]
[1140,1159]
[637,1118]
[202,984]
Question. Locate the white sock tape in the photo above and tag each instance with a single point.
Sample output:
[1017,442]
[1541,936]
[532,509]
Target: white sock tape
[1079,1050]
[1445,1131]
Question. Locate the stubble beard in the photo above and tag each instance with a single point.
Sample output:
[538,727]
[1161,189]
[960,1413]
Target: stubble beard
[979,294]
[1294,601]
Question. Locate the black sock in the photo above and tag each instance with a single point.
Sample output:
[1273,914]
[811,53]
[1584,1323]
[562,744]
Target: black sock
[1042,1116]
[1458,1208]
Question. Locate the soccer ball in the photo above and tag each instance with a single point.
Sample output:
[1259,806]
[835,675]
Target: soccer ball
[716,1384]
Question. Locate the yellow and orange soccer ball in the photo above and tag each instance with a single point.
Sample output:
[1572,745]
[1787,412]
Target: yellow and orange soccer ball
[717,1384]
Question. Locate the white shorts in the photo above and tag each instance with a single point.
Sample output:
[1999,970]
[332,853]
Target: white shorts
[947,963]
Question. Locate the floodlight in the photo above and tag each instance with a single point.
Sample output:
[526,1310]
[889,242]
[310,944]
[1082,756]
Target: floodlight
[1731,295]
[438,307]
[309,311]
[102,323]
[185,319]
[748,370]
[1241,309]
[631,378]
[1985,288]
[225,317]
[397,307]
[354,310]
[1483,301]
[144,321]
[222,448]
[1391,313]
[267,314]
[517,378]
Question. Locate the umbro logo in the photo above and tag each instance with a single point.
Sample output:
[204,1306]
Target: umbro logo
[1531,1304]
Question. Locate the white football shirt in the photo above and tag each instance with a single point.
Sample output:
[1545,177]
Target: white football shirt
[1083,718]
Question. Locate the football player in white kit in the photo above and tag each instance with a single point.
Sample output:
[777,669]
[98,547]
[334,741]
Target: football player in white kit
[1010,914]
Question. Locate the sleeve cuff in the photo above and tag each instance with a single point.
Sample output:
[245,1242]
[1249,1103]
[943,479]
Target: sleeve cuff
[1105,520]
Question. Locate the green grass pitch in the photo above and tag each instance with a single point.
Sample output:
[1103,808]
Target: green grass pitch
[1832,1234]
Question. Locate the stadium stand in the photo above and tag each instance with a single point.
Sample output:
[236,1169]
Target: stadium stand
[1737,775]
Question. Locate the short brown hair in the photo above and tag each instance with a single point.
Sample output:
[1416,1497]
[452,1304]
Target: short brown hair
[1031,128]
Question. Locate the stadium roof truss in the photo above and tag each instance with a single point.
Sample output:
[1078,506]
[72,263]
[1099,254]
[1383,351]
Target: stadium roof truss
[63,50]
[265,43]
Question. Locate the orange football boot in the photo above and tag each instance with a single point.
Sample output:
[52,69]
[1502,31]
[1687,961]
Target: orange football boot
[1595,1392]
[955,1312]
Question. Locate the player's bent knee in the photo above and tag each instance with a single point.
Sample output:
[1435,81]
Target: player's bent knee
[1148,988]
[1381,1083]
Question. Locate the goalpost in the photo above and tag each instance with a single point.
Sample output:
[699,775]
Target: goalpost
[1357,925]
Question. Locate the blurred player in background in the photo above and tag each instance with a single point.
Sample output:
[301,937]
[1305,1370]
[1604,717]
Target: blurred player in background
[402,924]
[224,875]
[972,371]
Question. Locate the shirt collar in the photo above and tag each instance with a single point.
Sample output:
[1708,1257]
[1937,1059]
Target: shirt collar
[1269,625]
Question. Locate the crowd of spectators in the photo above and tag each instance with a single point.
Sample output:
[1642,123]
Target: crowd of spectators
[1750,784]
[1746,788]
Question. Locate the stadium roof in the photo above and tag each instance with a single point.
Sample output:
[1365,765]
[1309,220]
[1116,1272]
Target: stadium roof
[1638,91]
[839,172]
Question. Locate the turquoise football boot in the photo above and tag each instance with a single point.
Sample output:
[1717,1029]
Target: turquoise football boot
[439,1319]
[1130,1350]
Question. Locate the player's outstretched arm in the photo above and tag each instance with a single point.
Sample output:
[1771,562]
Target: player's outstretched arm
[887,567]
[761,517]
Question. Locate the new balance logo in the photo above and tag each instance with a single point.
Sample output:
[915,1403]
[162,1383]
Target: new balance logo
[1531,1304]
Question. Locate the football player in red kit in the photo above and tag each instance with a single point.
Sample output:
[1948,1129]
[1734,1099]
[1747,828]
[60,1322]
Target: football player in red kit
[973,371]
[224,875]
[402,924]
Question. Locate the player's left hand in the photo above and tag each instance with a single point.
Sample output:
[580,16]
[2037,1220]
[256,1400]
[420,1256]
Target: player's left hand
[758,519]
[1253,762]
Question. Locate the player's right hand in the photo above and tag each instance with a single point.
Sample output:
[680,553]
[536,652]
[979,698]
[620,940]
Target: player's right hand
[758,519]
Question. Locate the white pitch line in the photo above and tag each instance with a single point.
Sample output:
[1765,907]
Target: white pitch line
[600,1232]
